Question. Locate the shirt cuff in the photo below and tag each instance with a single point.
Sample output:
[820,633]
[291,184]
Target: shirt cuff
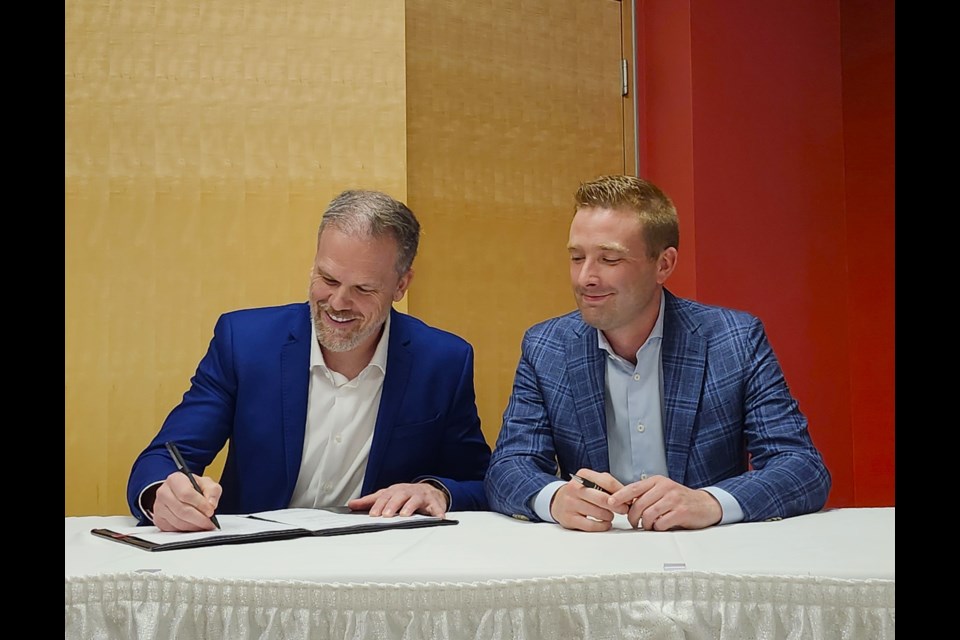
[541,502]
[148,512]
[730,508]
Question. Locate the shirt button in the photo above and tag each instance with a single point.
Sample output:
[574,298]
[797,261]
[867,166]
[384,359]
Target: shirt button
[327,487]
[640,427]
[337,438]
[643,476]
[636,376]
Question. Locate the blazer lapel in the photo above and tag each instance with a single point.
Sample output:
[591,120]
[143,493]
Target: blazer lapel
[294,385]
[399,364]
[683,354]
[587,375]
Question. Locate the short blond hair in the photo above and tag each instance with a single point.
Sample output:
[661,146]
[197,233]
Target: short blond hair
[661,226]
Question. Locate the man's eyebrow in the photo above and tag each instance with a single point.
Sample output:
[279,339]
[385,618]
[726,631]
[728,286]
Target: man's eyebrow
[371,284]
[614,246]
[606,246]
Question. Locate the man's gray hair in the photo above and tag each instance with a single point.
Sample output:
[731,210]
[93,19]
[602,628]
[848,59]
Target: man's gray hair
[363,213]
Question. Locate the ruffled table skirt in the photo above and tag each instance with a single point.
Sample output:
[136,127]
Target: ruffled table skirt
[656,606]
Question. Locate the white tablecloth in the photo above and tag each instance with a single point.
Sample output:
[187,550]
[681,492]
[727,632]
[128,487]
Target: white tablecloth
[825,575]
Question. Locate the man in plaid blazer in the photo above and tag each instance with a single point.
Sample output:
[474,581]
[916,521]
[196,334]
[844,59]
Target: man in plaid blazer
[672,412]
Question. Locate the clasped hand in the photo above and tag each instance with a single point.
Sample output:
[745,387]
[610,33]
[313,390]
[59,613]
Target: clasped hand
[656,503]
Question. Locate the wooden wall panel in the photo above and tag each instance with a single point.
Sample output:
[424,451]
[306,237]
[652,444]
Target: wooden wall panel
[510,105]
[203,141]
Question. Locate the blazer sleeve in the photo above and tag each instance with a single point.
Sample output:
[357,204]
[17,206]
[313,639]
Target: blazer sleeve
[464,453]
[786,474]
[200,424]
[524,459]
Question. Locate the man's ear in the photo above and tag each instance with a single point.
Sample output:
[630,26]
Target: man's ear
[403,285]
[666,263]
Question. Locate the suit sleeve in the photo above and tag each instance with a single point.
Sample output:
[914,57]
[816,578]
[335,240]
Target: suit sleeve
[524,459]
[465,454]
[787,475]
[200,424]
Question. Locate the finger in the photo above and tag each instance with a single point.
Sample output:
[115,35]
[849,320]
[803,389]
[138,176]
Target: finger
[597,514]
[369,501]
[184,493]
[595,498]
[655,523]
[379,502]
[428,500]
[626,495]
[603,479]
[412,503]
[394,504]
[436,504]
[615,507]
[176,516]
[383,501]
[436,509]
[664,522]
[642,494]
[211,490]
[363,503]
[634,516]
[585,523]
[584,504]
[651,517]
[573,512]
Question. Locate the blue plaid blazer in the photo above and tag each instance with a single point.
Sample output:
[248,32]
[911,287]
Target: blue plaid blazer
[730,420]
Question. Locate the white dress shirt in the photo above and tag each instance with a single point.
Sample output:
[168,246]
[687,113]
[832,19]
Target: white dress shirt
[341,415]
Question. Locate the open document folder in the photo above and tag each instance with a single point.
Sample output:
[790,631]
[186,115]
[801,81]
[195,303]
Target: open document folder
[280,524]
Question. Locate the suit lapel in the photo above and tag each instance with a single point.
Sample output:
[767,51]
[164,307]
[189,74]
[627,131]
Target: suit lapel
[399,364]
[294,386]
[683,355]
[587,375]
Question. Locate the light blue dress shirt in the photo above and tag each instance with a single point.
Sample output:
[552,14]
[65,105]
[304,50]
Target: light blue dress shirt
[633,402]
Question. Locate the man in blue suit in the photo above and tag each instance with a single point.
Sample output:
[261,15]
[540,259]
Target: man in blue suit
[671,412]
[338,401]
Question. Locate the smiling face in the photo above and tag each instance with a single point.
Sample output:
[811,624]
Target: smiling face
[353,283]
[615,281]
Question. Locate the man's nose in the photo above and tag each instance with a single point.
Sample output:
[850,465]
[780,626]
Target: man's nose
[339,298]
[588,273]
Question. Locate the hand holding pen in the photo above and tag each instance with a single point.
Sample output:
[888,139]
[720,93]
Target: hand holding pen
[582,503]
[181,504]
[589,484]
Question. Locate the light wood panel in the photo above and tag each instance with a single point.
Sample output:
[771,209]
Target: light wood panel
[510,105]
[203,141]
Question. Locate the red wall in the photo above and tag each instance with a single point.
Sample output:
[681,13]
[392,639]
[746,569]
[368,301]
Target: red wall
[868,117]
[771,126]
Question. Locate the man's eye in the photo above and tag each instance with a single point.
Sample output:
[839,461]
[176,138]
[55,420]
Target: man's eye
[612,260]
[576,258]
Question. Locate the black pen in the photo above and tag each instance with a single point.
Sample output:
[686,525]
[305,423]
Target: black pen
[589,484]
[181,466]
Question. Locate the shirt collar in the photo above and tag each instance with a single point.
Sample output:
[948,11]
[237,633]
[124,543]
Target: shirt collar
[657,332]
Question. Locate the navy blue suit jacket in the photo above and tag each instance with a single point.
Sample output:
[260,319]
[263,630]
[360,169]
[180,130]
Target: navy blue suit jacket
[729,418]
[250,389]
